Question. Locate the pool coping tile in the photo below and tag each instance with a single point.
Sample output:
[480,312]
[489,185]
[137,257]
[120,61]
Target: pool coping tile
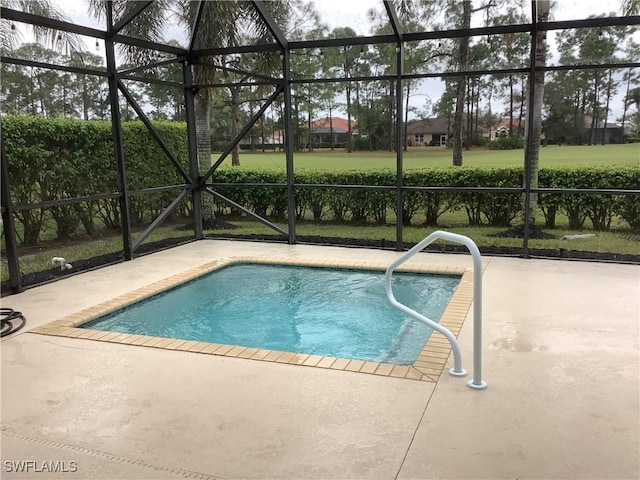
[428,365]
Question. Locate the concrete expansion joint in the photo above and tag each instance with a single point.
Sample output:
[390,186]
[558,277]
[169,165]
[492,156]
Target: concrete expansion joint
[108,456]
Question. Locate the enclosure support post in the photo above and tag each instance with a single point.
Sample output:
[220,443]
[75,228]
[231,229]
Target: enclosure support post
[8,225]
[398,145]
[529,143]
[117,138]
[189,107]
[288,144]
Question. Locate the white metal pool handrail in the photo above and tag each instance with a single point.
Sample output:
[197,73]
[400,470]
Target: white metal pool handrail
[457,369]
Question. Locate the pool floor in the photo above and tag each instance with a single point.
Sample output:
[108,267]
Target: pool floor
[427,366]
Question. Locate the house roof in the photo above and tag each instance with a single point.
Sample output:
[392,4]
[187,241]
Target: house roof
[428,126]
[608,125]
[339,124]
[600,124]
[434,126]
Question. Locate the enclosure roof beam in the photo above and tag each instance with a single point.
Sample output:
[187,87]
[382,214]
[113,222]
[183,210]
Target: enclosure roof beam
[263,47]
[155,81]
[151,65]
[130,15]
[51,66]
[273,27]
[393,17]
[238,71]
[196,24]
[16,15]
[160,47]
[235,84]
[40,21]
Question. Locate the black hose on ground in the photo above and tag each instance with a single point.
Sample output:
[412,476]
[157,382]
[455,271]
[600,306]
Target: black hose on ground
[10,321]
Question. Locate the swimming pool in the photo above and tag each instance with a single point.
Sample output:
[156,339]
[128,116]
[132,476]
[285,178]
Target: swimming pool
[427,366]
[330,312]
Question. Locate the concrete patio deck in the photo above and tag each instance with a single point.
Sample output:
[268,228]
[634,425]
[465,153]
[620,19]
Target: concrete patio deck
[561,359]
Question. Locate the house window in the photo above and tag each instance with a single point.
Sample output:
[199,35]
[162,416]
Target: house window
[420,138]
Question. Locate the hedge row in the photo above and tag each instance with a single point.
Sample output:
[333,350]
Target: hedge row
[500,209]
[57,158]
[51,159]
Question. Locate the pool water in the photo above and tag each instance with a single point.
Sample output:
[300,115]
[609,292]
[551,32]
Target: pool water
[329,312]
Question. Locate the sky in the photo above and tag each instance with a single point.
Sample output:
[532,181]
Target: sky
[353,13]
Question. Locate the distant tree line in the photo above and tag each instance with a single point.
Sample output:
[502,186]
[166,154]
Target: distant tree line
[573,99]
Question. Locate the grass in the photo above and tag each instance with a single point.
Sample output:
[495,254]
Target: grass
[616,241]
[38,259]
[604,242]
[421,157]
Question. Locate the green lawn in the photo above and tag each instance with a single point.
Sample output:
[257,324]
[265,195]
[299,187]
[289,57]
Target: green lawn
[605,242]
[420,157]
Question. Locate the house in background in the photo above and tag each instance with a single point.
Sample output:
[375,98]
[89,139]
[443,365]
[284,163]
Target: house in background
[435,132]
[502,129]
[338,128]
[432,132]
[610,132]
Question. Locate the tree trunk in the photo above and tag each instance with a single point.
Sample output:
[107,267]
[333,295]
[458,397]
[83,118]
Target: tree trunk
[583,110]
[235,107]
[406,118]
[594,116]
[536,106]
[310,130]
[606,109]
[349,133]
[467,142]
[463,52]
[391,110]
[262,120]
[203,147]
[626,103]
[85,100]
[522,98]
[477,108]
[331,128]
[510,105]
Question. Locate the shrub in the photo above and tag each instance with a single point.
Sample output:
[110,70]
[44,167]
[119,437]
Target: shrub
[512,142]
[58,158]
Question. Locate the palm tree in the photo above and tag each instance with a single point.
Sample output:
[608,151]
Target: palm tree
[223,24]
[11,35]
[633,97]
[543,7]
[630,7]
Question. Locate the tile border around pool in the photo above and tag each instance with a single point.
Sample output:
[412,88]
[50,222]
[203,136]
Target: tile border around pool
[427,367]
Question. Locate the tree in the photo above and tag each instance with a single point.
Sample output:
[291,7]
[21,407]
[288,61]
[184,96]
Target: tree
[630,77]
[30,89]
[462,61]
[463,51]
[11,36]
[221,25]
[345,64]
[513,52]
[88,94]
[532,148]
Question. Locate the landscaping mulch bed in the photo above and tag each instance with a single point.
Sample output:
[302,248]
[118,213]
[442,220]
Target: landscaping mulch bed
[79,266]
[560,253]
[85,265]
